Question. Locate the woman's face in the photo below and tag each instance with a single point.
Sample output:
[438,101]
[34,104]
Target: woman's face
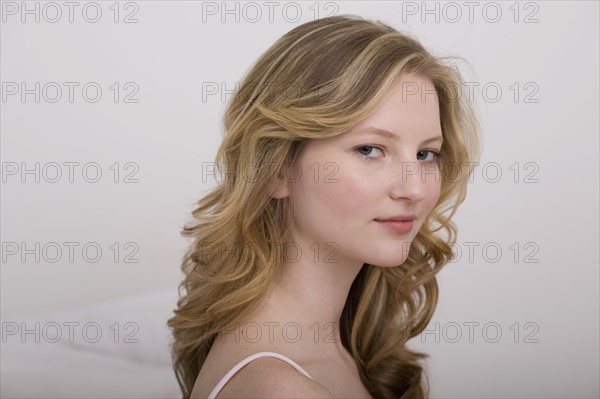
[346,186]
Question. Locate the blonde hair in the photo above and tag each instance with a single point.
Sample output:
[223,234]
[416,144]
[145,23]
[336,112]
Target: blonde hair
[317,81]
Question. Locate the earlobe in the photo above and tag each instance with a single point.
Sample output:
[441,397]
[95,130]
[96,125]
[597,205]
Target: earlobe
[280,189]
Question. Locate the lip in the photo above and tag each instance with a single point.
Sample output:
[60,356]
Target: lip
[397,227]
[398,218]
[398,224]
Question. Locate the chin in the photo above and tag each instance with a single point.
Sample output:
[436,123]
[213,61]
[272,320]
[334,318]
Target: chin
[391,261]
[389,258]
[388,264]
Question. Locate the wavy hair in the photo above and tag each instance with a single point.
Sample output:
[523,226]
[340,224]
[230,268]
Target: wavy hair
[317,81]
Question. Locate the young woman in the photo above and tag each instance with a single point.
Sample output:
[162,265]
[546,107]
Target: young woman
[314,259]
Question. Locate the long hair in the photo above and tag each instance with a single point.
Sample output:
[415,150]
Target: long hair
[317,81]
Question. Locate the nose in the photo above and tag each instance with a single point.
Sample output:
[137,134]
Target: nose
[410,180]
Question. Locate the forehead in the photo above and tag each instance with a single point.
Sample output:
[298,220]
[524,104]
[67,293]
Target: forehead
[410,110]
[410,106]
[412,86]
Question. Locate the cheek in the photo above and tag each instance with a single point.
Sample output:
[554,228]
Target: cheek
[347,191]
[433,195]
[340,192]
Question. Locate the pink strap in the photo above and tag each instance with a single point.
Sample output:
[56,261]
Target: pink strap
[247,360]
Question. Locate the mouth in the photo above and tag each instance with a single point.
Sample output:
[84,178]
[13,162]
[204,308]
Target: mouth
[398,218]
[397,226]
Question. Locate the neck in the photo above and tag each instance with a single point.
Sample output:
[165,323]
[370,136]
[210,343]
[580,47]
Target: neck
[302,310]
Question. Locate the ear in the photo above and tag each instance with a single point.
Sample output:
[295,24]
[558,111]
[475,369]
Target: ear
[280,188]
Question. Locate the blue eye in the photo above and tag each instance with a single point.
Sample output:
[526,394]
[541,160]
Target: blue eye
[367,150]
[435,153]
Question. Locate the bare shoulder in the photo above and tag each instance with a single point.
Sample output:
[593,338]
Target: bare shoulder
[270,377]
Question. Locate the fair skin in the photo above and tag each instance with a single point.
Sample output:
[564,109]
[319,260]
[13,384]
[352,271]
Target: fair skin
[346,184]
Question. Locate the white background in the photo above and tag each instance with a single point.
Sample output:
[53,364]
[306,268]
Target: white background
[540,132]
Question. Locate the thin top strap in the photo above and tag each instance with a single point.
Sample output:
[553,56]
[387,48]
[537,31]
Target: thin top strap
[247,360]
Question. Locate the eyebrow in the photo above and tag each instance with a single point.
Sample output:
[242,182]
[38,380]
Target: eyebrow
[387,133]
